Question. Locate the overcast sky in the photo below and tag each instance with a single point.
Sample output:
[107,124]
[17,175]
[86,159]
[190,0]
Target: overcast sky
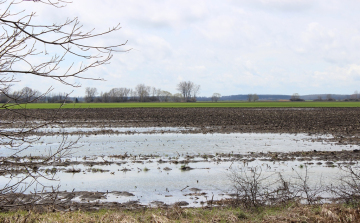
[229,46]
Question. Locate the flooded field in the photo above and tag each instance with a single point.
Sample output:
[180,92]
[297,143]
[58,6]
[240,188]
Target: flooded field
[140,142]
[165,165]
[165,168]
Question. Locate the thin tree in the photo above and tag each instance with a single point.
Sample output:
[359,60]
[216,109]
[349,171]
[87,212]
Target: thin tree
[255,97]
[295,97]
[252,97]
[90,94]
[165,96]
[41,50]
[195,91]
[188,90]
[215,97]
[26,95]
[142,91]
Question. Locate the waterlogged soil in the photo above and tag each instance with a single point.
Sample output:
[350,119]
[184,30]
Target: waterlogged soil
[136,157]
[178,144]
[124,181]
[320,157]
[342,121]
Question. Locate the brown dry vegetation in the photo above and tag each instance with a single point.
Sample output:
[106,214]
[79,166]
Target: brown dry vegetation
[291,213]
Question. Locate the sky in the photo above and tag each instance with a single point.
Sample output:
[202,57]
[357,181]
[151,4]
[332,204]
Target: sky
[229,47]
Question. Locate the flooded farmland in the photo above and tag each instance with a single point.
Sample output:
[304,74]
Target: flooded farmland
[173,144]
[151,163]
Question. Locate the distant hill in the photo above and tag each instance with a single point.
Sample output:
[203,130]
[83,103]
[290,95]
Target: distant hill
[276,97]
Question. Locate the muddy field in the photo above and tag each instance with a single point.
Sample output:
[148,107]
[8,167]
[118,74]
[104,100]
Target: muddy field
[164,156]
[342,121]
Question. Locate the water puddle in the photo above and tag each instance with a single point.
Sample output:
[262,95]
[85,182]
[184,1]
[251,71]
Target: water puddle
[148,175]
[173,144]
[151,182]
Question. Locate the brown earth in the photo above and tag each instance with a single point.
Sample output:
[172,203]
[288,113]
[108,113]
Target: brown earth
[342,123]
[337,121]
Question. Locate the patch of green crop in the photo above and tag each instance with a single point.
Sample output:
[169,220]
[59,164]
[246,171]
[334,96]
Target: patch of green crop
[241,104]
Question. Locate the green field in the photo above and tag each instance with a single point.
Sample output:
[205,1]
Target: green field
[275,104]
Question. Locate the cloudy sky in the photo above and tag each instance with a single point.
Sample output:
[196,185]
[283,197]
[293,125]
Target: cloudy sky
[229,46]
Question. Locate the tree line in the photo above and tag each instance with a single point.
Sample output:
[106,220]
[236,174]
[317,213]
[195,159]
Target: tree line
[187,92]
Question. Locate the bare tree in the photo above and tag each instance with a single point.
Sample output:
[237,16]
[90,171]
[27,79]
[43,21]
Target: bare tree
[142,91]
[188,90]
[57,98]
[119,94]
[26,95]
[124,94]
[165,96]
[154,91]
[252,97]
[195,91]
[249,97]
[215,97]
[105,97]
[158,94]
[132,95]
[155,94]
[114,95]
[295,97]
[42,50]
[185,88]
[90,94]
[177,97]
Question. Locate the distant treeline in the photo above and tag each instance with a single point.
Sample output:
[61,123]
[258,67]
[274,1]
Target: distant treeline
[274,97]
[187,93]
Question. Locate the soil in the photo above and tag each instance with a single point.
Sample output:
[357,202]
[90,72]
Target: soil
[62,201]
[342,123]
[338,121]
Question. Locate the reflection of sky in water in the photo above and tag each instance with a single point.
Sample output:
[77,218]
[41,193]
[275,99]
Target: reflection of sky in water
[171,144]
[210,177]
[92,129]
[153,185]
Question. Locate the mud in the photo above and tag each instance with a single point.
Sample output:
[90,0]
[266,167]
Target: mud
[343,124]
[342,121]
[90,201]
[315,156]
[66,201]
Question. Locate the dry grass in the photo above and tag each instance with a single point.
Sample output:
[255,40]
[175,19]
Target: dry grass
[328,213]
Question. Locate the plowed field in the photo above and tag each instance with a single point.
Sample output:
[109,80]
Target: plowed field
[338,121]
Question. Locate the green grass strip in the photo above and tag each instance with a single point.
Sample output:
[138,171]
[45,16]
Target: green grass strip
[306,104]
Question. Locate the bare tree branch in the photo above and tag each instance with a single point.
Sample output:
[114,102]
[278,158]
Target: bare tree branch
[48,51]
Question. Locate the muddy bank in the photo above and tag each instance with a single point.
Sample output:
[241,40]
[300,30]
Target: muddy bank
[16,165]
[64,201]
[90,201]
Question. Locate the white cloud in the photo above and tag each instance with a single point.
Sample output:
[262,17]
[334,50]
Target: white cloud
[231,47]
[277,5]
